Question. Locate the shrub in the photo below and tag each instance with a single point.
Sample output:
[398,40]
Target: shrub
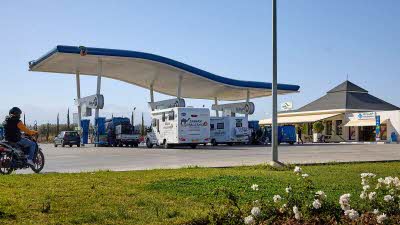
[318,127]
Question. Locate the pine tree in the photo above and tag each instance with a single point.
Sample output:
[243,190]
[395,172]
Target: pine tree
[58,123]
[68,120]
[142,131]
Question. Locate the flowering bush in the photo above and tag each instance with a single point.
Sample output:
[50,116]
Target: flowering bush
[301,203]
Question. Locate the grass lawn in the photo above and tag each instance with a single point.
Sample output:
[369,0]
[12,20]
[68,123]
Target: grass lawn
[158,196]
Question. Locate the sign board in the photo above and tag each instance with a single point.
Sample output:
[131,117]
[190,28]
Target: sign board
[240,107]
[92,101]
[365,116]
[378,128]
[286,106]
[75,118]
[166,104]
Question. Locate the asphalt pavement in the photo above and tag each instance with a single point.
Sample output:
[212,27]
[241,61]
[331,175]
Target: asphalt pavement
[90,158]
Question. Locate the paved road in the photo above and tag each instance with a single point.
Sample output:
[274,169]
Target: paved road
[89,158]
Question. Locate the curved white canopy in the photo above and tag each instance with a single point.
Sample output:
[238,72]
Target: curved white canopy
[146,70]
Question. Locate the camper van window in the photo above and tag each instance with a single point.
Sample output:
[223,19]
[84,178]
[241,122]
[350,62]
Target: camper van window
[171,115]
[154,123]
[239,124]
[163,116]
[220,126]
[212,126]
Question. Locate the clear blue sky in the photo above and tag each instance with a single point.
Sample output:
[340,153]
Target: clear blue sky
[319,43]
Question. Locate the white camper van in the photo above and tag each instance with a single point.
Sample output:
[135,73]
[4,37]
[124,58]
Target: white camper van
[229,130]
[181,126]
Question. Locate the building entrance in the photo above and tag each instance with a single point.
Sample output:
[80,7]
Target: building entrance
[366,133]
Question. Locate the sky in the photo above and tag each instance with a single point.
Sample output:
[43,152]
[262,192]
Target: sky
[320,44]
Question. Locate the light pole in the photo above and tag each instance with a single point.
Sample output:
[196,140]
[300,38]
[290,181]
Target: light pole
[274,87]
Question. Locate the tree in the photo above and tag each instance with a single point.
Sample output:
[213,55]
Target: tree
[58,123]
[318,127]
[142,131]
[68,122]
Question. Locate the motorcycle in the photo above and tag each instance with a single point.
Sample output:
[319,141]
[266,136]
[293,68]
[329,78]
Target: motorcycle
[12,157]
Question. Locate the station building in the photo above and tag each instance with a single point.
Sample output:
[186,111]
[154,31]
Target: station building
[349,114]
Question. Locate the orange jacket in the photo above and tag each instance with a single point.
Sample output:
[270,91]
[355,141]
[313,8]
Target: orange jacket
[26,130]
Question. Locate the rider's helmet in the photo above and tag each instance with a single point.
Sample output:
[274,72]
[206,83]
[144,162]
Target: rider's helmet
[15,112]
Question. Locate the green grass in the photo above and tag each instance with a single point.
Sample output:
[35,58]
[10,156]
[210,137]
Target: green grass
[158,196]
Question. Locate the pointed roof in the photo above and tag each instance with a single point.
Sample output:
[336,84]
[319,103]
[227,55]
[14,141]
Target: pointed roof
[349,97]
[347,86]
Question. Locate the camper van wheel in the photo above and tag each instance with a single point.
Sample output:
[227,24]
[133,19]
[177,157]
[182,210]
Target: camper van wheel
[291,143]
[135,145]
[230,143]
[214,142]
[120,145]
[193,146]
[166,145]
[149,144]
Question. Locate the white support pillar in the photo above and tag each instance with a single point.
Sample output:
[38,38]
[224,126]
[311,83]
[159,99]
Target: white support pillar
[78,96]
[99,72]
[216,103]
[151,94]
[247,101]
[179,91]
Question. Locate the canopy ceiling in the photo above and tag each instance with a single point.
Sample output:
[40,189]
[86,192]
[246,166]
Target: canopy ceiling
[144,70]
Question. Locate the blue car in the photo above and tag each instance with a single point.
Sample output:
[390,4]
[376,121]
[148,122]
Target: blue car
[286,134]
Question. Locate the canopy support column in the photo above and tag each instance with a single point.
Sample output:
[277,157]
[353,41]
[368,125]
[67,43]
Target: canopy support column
[151,94]
[216,103]
[179,90]
[99,72]
[78,96]
[247,101]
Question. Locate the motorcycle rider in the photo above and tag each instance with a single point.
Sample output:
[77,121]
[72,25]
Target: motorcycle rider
[12,132]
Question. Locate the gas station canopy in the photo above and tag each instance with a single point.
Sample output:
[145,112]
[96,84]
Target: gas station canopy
[146,70]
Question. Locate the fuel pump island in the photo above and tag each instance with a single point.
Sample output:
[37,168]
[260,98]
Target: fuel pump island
[173,123]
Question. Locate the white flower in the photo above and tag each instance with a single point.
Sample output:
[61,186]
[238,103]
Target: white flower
[366,187]
[344,202]
[363,195]
[381,218]
[295,209]
[352,214]
[376,211]
[388,198]
[297,213]
[316,204]
[277,198]
[256,211]
[367,175]
[255,202]
[305,175]
[249,220]
[297,170]
[321,195]
[372,196]
[283,208]
[344,199]
[254,187]
[288,189]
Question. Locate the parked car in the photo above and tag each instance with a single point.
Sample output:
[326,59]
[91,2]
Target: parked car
[68,138]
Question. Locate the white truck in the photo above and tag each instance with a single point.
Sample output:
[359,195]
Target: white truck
[179,126]
[229,130]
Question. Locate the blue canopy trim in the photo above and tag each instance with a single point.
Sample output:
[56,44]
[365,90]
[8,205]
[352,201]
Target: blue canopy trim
[164,60]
